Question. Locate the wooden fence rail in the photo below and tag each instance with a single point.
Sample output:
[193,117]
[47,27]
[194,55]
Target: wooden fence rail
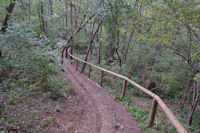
[156,100]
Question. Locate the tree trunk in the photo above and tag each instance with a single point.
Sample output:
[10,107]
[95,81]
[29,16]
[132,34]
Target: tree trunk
[118,38]
[100,46]
[75,32]
[51,7]
[89,47]
[39,16]
[9,11]
[66,19]
[75,15]
[127,48]
[23,9]
[79,11]
[29,10]
[42,17]
[51,10]
[75,19]
[112,49]
[185,95]
[92,32]
[80,27]
[72,28]
[119,59]
[194,102]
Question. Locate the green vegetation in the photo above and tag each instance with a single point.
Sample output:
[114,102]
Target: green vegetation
[27,69]
[58,108]
[154,43]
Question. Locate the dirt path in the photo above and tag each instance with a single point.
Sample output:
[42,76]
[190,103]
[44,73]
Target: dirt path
[103,113]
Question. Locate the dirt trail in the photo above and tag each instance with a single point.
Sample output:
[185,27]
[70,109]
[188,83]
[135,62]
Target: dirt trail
[103,113]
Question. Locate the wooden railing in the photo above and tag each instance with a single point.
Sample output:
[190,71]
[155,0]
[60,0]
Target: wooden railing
[155,101]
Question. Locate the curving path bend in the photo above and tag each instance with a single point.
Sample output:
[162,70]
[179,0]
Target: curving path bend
[104,114]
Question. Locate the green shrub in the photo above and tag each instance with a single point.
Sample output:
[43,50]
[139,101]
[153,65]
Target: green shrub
[28,63]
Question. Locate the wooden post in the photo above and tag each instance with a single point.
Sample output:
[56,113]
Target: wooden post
[71,54]
[89,70]
[76,65]
[66,55]
[101,81]
[69,57]
[124,89]
[152,113]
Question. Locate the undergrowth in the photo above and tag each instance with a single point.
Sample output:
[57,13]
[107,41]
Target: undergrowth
[29,68]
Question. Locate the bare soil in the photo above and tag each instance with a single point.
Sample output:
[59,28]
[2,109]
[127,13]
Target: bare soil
[101,113]
[91,109]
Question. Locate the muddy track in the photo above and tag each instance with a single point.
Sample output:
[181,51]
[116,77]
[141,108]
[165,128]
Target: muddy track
[104,114]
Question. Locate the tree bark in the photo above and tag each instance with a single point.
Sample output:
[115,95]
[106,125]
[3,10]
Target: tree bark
[118,40]
[29,10]
[92,32]
[100,46]
[185,96]
[75,19]
[23,9]
[42,17]
[9,11]
[39,16]
[89,47]
[194,102]
[119,59]
[51,9]
[75,32]
[80,27]
[66,19]
[127,48]
[72,28]
[75,15]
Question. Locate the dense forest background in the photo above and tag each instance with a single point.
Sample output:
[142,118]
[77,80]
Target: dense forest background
[155,43]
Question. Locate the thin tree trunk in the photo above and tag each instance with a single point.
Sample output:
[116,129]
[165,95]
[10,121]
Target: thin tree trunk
[75,19]
[92,32]
[79,11]
[100,45]
[72,28]
[119,59]
[75,32]
[29,10]
[75,15]
[89,47]
[66,19]
[42,16]
[23,9]
[127,48]
[194,102]
[185,96]
[80,27]
[39,16]
[9,11]
[51,9]
[51,6]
